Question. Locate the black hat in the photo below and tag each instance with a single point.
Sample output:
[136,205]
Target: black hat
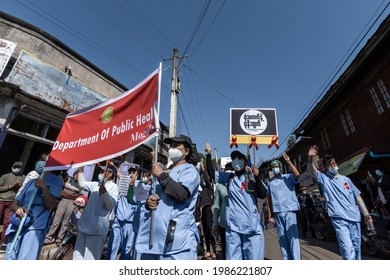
[236,154]
[110,167]
[180,139]
[134,167]
[17,163]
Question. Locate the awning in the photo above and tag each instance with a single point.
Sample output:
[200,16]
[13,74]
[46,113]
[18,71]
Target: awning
[352,165]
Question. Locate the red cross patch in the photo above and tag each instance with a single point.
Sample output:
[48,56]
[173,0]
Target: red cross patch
[243,186]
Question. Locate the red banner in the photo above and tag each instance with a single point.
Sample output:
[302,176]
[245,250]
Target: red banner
[108,129]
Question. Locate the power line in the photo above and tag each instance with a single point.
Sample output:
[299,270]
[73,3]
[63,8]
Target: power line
[208,29]
[196,113]
[212,87]
[340,67]
[184,120]
[196,27]
[154,26]
[191,119]
[120,28]
[125,10]
[81,37]
[200,114]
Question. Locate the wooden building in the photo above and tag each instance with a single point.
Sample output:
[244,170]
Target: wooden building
[352,120]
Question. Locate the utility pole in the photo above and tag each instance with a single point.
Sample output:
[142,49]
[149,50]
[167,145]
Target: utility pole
[175,89]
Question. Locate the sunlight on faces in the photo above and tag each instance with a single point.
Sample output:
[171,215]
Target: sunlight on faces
[181,147]
[331,163]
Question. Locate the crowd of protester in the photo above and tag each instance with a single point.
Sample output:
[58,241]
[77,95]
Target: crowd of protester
[184,209]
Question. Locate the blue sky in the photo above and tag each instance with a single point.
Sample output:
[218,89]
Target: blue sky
[244,54]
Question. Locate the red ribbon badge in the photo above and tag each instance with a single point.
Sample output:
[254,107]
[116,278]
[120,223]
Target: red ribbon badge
[346,186]
[273,142]
[253,142]
[234,142]
[243,186]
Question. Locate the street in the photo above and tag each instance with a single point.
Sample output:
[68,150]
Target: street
[311,249]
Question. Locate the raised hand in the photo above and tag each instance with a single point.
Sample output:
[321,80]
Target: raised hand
[286,157]
[313,151]
[256,170]
[208,149]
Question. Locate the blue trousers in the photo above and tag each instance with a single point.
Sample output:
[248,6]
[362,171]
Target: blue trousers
[288,235]
[240,246]
[189,254]
[349,238]
[122,236]
[28,245]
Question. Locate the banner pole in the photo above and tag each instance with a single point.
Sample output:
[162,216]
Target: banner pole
[23,220]
[254,156]
[216,159]
[155,159]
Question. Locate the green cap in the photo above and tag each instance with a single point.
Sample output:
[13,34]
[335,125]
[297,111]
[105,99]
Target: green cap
[276,162]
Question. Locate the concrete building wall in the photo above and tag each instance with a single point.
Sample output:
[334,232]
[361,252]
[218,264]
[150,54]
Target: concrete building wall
[53,52]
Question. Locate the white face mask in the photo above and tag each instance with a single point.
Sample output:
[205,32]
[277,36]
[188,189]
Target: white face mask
[16,170]
[333,170]
[100,177]
[276,170]
[378,173]
[175,154]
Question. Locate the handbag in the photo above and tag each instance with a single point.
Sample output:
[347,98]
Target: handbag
[16,221]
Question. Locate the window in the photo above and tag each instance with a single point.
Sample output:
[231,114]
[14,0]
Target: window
[384,92]
[349,121]
[344,123]
[325,139]
[377,103]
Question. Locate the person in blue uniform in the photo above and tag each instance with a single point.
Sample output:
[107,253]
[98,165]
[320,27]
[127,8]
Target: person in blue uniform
[141,192]
[244,230]
[284,203]
[175,235]
[344,202]
[29,243]
[122,233]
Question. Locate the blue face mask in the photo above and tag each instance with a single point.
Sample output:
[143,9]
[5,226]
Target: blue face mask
[276,170]
[39,166]
[238,164]
[333,170]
